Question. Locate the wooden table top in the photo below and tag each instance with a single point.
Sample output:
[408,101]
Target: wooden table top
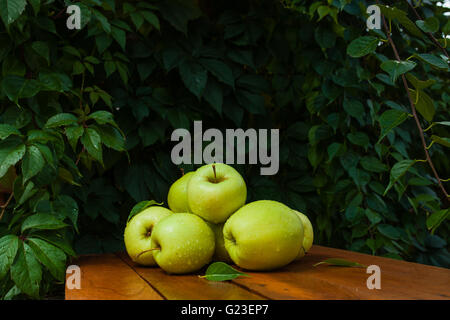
[116,277]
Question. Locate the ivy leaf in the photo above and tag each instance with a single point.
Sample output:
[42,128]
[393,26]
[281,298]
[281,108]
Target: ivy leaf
[10,10]
[33,162]
[340,263]
[194,77]
[396,68]
[362,46]
[397,171]
[151,18]
[50,256]
[73,134]
[42,221]
[220,271]
[26,271]
[9,245]
[141,206]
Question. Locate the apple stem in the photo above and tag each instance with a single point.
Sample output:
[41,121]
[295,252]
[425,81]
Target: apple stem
[147,251]
[182,171]
[214,169]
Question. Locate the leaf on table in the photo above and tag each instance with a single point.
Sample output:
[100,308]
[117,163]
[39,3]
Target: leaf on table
[220,271]
[340,263]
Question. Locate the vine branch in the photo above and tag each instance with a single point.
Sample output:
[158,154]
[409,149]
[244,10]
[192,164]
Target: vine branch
[416,118]
[3,206]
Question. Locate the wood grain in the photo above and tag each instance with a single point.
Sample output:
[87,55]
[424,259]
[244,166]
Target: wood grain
[107,277]
[190,287]
[117,277]
[399,279]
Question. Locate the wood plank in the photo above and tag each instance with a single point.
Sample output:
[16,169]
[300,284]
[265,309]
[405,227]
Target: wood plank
[106,277]
[300,280]
[190,287]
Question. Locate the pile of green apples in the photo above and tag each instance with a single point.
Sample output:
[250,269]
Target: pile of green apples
[209,221]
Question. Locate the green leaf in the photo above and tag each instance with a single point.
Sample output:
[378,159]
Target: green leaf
[397,171]
[436,219]
[359,138]
[73,134]
[340,263]
[194,77]
[6,130]
[50,256]
[26,271]
[373,164]
[424,104]
[42,221]
[433,60]
[120,36]
[9,245]
[10,154]
[418,84]
[16,87]
[112,138]
[151,18]
[440,140]
[362,46]
[66,207]
[431,24]
[61,119]
[354,108]
[389,231]
[396,68]
[220,271]
[220,70]
[142,206]
[137,19]
[91,140]
[392,13]
[42,49]
[214,95]
[10,10]
[389,120]
[33,162]
[178,13]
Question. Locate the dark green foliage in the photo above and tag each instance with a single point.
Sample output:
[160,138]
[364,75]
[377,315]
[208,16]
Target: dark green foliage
[86,118]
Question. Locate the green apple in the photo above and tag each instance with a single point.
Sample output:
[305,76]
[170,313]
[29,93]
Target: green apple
[308,236]
[177,197]
[215,192]
[138,233]
[221,253]
[263,235]
[182,243]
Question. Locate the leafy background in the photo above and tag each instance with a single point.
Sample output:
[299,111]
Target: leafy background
[86,117]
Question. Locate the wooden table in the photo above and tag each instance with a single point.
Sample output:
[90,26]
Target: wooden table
[115,276]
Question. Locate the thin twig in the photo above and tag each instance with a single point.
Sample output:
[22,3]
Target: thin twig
[416,118]
[429,34]
[3,206]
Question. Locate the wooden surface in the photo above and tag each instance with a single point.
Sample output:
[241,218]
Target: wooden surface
[115,276]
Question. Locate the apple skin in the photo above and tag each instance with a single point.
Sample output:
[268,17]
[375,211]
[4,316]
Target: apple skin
[183,243]
[177,197]
[308,236]
[263,235]
[138,232]
[215,198]
[221,253]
